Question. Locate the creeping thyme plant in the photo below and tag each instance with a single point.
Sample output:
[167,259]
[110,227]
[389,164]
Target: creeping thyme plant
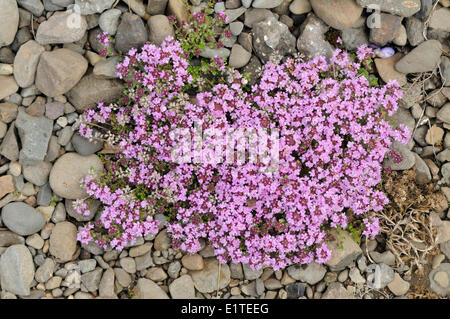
[333,138]
[203,29]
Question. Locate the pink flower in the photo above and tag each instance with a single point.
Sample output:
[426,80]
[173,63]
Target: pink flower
[331,137]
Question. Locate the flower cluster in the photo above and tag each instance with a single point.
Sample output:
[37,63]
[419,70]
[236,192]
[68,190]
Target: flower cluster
[105,39]
[332,141]
[203,29]
[396,156]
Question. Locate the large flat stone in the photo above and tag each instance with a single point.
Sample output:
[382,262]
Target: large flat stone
[68,172]
[35,133]
[59,71]
[91,90]
[17,270]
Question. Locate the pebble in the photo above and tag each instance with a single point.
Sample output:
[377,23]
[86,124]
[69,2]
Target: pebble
[272,284]
[85,147]
[59,71]
[6,185]
[445,69]
[343,275]
[62,121]
[93,6]
[60,28]
[236,28]
[251,274]
[239,57]
[254,15]
[147,289]
[423,174]
[380,275]
[259,287]
[178,9]
[400,38]
[122,277]
[6,54]
[22,218]
[35,241]
[270,36]
[156,274]
[69,170]
[443,232]
[354,37]
[387,71]
[52,283]
[437,260]
[295,290]
[87,265]
[131,33]
[356,277]
[401,8]
[16,270]
[8,238]
[174,269]
[436,98]
[439,279]
[425,57]
[6,69]
[194,262]
[160,28]
[440,20]
[91,280]
[233,14]
[144,261]
[109,21]
[8,86]
[34,6]
[9,15]
[8,112]
[101,262]
[339,14]
[140,250]
[336,290]
[434,135]
[9,147]
[266,4]
[45,271]
[63,241]
[128,264]
[54,110]
[38,174]
[162,241]
[386,257]
[64,136]
[208,52]
[311,41]
[106,285]
[389,27]
[345,254]
[91,89]
[300,6]
[398,286]
[414,31]
[236,271]
[156,6]
[206,280]
[182,288]
[311,273]
[408,159]
[249,289]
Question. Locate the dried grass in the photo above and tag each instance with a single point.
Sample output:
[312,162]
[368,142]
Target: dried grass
[405,222]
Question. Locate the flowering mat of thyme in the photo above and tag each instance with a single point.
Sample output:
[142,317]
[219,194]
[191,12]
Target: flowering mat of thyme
[291,149]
